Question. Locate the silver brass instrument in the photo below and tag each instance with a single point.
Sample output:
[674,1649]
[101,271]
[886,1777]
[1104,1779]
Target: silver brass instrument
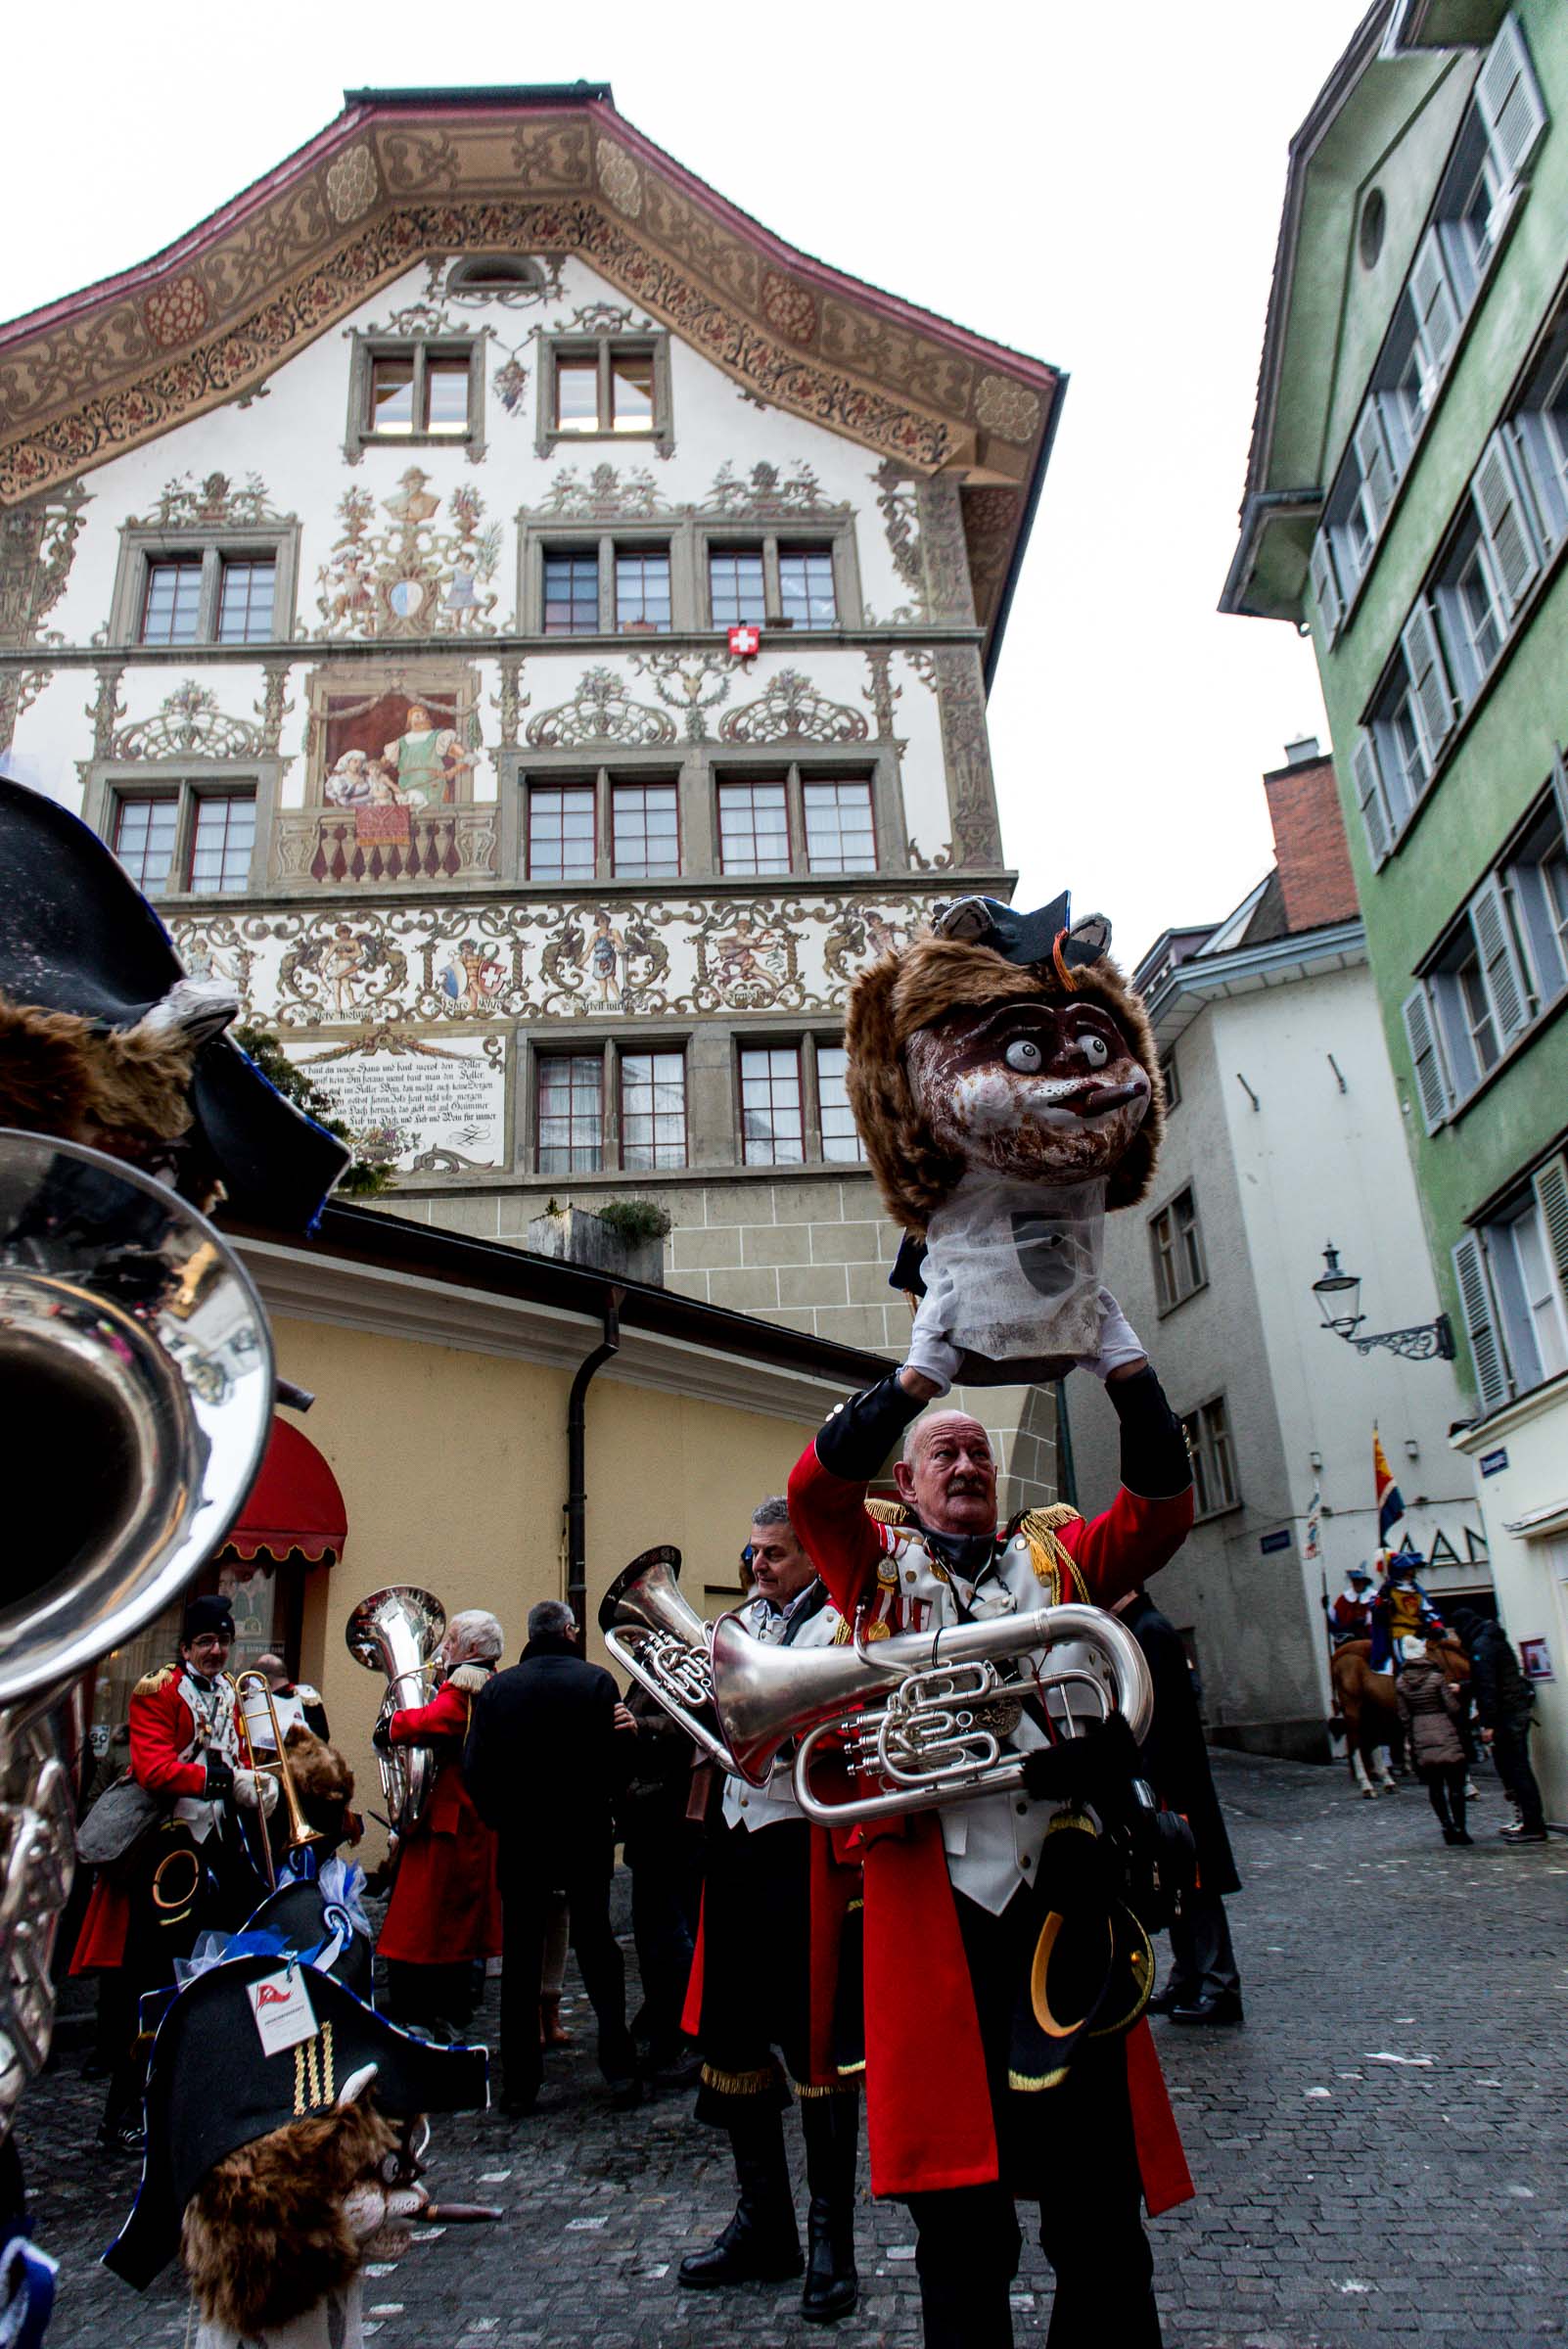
[924,1713]
[301,1833]
[662,1640]
[136,1394]
[397,1631]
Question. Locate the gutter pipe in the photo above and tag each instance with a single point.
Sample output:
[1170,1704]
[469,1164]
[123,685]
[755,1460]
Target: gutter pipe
[576,1499]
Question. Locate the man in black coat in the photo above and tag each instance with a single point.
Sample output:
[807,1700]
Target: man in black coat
[1505,1704]
[542,1768]
[1204,1984]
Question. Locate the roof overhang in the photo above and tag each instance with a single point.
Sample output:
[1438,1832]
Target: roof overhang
[1203,979]
[402,176]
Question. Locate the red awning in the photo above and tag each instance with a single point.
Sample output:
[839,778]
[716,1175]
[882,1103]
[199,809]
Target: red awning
[295,1504]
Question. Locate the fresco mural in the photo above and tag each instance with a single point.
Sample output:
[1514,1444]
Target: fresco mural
[419,1106]
[423,575]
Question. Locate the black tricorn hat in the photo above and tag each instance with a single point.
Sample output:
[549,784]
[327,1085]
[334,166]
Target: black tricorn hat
[76,934]
[210,2088]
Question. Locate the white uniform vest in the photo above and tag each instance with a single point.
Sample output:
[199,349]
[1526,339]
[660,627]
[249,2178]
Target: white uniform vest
[754,1807]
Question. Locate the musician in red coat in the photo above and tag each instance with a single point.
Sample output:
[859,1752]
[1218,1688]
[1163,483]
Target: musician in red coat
[956,2127]
[445,1909]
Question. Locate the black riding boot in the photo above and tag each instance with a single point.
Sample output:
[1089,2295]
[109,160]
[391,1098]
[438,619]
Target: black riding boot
[832,2126]
[761,2244]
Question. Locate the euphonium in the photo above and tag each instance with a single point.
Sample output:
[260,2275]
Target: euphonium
[136,1395]
[924,1713]
[397,1631]
[662,1640]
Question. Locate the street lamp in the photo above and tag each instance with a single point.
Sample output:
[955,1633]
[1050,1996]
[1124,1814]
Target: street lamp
[1338,1292]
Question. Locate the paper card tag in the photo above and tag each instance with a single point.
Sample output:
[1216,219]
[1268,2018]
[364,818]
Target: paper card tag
[281,2005]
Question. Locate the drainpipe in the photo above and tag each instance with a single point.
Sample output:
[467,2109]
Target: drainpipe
[1066,1473]
[576,1499]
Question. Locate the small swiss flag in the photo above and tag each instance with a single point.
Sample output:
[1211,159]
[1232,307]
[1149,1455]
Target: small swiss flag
[746,641]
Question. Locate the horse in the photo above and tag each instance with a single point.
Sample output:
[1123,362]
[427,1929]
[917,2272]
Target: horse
[1364,1710]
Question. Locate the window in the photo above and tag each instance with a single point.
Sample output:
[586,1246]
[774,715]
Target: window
[642,589]
[840,837]
[1411,721]
[244,598]
[1214,1474]
[603,386]
[652,1109]
[807,598]
[753,828]
[841,1143]
[572,594]
[1173,1083]
[773,1110]
[1179,1269]
[416,391]
[1470,609]
[185,838]
[1512,1276]
[571,1112]
[173,601]
[573,1092]
[1541,430]
[735,588]
[645,831]
[561,832]
[496,273]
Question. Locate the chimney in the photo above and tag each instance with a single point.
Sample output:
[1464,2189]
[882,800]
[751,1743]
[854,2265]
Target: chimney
[1304,748]
[1316,879]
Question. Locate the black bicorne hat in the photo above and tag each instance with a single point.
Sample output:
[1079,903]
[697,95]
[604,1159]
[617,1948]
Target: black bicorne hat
[304,1918]
[76,934]
[210,2088]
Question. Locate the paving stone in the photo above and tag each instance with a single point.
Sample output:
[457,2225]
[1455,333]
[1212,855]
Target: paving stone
[1417,2201]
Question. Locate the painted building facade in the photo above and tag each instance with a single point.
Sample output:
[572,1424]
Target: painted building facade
[1406,497]
[371,570]
[1284,1132]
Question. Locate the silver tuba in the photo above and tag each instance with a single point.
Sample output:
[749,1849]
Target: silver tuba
[136,1389]
[662,1640]
[923,1714]
[397,1631]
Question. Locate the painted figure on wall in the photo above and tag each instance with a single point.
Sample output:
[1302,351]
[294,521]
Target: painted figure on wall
[604,958]
[426,760]
[394,750]
[471,978]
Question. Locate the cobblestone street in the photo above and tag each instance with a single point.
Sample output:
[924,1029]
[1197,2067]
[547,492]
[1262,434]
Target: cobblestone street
[1379,2155]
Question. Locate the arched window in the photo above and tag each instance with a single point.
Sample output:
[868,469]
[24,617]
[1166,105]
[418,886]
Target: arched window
[496,273]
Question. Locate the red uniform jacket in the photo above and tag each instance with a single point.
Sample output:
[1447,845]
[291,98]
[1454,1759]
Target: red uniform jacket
[445,1905]
[928,2108]
[162,1728]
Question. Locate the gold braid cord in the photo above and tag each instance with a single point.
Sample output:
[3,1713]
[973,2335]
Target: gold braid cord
[314,2080]
[742,2084]
[1054,1569]
[885,1512]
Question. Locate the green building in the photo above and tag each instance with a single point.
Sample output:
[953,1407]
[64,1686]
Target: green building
[1407,499]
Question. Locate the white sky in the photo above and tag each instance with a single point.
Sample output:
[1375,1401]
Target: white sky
[1097,186]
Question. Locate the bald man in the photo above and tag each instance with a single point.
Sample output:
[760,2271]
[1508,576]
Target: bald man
[957,2126]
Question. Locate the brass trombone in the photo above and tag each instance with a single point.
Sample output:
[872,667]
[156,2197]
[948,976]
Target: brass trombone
[300,1834]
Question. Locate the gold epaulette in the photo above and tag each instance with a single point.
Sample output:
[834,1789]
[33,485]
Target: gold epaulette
[1048,1521]
[151,1682]
[885,1512]
[1054,1569]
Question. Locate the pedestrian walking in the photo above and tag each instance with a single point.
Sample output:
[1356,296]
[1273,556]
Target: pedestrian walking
[1429,1708]
[542,1767]
[1505,1704]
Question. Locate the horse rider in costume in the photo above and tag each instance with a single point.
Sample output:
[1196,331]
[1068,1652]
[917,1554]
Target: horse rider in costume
[774,1899]
[1350,1615]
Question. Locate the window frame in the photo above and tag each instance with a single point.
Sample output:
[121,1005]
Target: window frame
[603,349]
[833,534]
[611,1053]
[366,348]
[189,783]
[806,1043]
[1178,1252]
[1499,1319]
[144,544]
[689,538]
[1197,1427]
[766,766]
[569,772]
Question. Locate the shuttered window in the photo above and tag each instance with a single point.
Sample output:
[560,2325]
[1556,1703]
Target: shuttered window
[1325,585]
[1481,1322]
[1491,921]
[1507,523]
[1370,794]
[1508,98]
[1429,683]
[1426,1059]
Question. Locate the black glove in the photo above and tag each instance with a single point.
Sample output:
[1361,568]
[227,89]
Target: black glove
[220,1778]
[380,1738]
[1093,1768]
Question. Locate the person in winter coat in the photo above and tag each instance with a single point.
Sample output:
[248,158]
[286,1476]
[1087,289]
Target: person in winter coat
[1505,1704]
[1205,1982]
[1429,1708]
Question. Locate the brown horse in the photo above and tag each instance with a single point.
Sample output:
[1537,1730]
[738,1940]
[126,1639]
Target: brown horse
[1365,1710]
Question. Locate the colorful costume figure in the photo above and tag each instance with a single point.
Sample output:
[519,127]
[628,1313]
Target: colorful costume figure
[1400,1609]
[951,1927]
[188,1870]
[1350,1615]
[1005,1083]
[771,1942]
[445,1909]
[278,2152]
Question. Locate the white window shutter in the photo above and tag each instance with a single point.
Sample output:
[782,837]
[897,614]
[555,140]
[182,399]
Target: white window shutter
[1500,960]
[1429,681]
[1552,1197]
[1372,454]
[1437,313]
[1559,784]
[1369,791]
[1481,1322]
[1509,99]
[1426,1058]
[1502,506]
[1325,583]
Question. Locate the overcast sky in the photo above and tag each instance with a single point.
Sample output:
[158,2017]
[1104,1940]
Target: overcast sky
[1100,188]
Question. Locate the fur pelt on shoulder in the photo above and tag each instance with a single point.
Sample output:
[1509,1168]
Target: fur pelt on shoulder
[266,2235]
[67,1076]
[317,1769]
[906,991]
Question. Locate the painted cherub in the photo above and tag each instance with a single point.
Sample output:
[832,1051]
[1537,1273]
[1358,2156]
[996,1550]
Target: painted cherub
[1006,1088]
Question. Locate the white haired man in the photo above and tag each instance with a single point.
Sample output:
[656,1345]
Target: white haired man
[446,1911]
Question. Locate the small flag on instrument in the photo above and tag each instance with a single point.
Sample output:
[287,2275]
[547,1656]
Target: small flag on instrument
[1312,1548]
[1389,1499]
